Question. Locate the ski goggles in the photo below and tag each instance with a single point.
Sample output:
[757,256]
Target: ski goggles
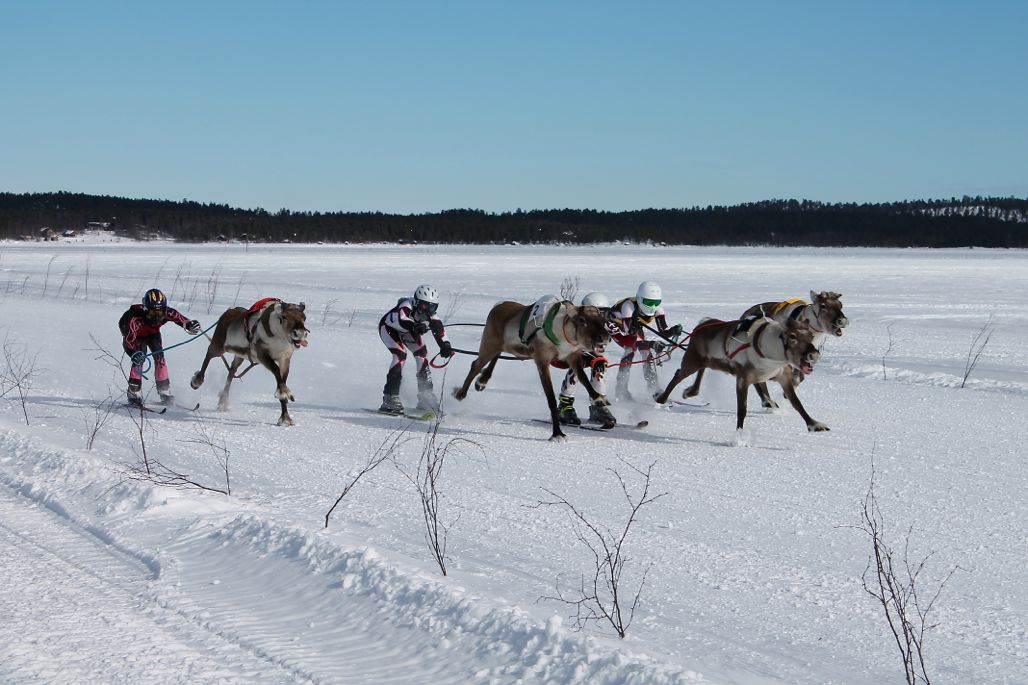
[155,315]
[650,304]
[428,307]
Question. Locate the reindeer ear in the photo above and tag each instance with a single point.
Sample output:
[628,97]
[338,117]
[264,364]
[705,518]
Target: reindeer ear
[814,297]
[302,306]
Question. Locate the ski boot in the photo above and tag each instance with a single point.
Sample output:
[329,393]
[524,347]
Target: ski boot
[621,393]
[135,392]
[599,412]
[391,404]
[650,374]
[427,401]
[566,411]
[164,390]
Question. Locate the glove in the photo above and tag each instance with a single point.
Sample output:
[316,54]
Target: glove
[445,349]
[599,365]
[138,358]
[674,331]
[658,348]
[193,327]
[419,328]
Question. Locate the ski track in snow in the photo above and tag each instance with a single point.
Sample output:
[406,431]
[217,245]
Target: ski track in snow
[755,576]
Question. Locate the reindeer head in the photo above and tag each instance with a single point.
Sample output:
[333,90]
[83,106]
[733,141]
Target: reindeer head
[293,321]
[591,327]
[799,347]
[828,306]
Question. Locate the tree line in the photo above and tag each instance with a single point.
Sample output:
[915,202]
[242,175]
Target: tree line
[956,222]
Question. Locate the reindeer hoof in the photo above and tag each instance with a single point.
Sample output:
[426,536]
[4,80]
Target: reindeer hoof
[196,381]
[285,421]
[817,427]
[558,437]
[479,386]
[458,394]
[770,404]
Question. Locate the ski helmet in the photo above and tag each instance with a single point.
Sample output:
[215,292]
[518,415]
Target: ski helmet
[155,304]
[598,300]
[647,298]
[426,299]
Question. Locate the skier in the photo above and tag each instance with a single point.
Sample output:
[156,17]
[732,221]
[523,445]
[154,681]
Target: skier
[597,364]
[627,317]
[140,328]
[401,327]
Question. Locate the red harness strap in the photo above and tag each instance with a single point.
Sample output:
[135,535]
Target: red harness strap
[755,344]
[261,304]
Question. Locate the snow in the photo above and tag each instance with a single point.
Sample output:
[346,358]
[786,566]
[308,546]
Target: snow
[754,562]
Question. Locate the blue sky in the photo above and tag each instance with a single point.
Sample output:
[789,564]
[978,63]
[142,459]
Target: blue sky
[421,106]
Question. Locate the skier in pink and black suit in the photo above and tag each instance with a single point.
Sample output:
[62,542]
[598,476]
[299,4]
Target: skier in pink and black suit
[403,326]
[628,317]
[140,328]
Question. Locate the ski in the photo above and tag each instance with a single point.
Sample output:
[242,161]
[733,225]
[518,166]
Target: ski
[142,407]
[592,427]
[680,403]
[426,416]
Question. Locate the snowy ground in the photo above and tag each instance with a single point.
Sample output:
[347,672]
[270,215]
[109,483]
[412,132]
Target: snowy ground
[754,565]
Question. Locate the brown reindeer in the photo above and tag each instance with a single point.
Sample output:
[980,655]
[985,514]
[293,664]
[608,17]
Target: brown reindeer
[754,355]
[549,330]
[268,333]
[824,316]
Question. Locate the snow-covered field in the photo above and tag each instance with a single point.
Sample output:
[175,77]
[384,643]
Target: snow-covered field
[754,562]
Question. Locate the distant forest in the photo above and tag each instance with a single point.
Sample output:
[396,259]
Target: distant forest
[968,221]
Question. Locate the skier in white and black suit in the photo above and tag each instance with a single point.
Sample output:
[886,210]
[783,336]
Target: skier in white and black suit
[402,327]
[597,364]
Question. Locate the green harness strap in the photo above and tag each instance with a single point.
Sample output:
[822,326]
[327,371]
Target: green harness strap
[547,326]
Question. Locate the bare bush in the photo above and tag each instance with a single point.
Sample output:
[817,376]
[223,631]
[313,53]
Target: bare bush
[426,480]
[18,373]
[569,288]
[64,281]
[211,292]
[600,596]
[46,277]
[978,342]
[239,288]
[386,450]
[888,351]
[894,581]
[218,449]
[101,414]
[329,315]
[454,302]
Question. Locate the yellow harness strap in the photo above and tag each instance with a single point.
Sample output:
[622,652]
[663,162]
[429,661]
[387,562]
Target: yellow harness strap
[782,305]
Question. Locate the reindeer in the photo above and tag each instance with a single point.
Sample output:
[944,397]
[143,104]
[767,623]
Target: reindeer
[824,316]
[548,331]
[754,351]
[267,333]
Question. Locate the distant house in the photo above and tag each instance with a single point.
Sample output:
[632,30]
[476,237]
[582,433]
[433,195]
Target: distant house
[69,233]
[47,233]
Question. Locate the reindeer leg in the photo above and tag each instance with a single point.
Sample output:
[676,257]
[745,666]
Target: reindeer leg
[551,399]
[694,389]
[282,393]
[813,425]
[765,396]
[476,366]
[742,387]
[691,363]
[223,395]
[487,374]
[212,351]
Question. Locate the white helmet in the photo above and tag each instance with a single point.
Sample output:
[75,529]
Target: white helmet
[598,300]
[647,298]
[426,299]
